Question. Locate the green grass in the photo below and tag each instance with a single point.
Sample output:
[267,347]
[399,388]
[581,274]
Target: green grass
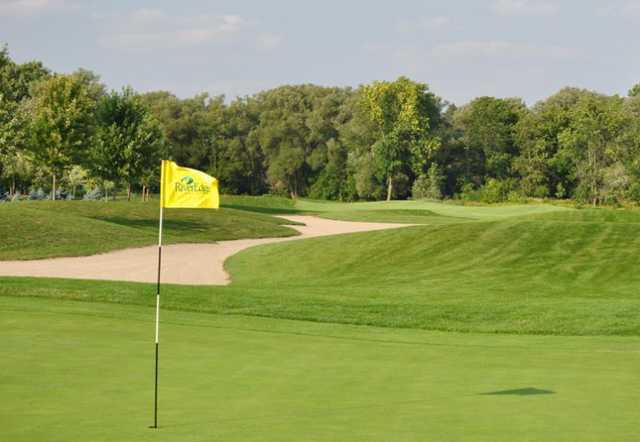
[402,216]
[502,323]
[363,210]
[42,229]
[531,271]
[84,371]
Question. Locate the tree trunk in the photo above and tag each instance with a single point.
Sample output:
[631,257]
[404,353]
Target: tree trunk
[73,192]
[389,188]
[12,190]
[144,193]
[128,191]
[53,187]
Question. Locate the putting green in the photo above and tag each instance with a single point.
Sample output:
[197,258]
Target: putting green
[83,371]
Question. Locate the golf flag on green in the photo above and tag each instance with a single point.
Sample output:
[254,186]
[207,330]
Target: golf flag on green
[180,188]
[184,188]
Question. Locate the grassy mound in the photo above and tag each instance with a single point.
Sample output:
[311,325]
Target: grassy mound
[517,276]
[43,229]
[526,270]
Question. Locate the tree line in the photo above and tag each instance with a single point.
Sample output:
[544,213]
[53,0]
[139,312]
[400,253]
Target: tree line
[66,135]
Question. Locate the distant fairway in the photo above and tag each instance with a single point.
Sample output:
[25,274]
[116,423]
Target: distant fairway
[527,269]
[422,333]
[79,371]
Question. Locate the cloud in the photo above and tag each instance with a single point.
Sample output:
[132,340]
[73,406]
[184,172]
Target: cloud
[423,24]
[147,29]
[269,41]
[18,8]
[498,48]
[524,7]
[630,8]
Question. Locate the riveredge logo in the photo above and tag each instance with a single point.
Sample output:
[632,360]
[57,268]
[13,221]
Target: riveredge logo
[188,184]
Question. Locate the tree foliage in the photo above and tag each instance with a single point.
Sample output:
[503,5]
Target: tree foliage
[128,142]
[403,113]
[385,139]
[61,116]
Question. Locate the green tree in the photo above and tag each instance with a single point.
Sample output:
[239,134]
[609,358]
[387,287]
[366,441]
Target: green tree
[596,125]
[61,123]
[15,85]
[16,79]
[429,185]
[634,91]
[488,126]
[403,113]
[128,140]
[76,176]
[288,137]
[544,162]
[240,163]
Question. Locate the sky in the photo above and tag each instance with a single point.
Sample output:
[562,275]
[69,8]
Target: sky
[461,48]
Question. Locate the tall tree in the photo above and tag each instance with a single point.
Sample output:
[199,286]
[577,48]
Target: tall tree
[240,160]
[547,167]
[287,140]
[488,126]
[596,124]
[128,140]
[403,112]
[61,122]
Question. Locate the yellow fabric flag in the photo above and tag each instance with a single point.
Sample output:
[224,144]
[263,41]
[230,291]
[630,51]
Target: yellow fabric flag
[183,188]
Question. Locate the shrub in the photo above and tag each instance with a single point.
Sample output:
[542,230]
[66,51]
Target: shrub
[560,191]
[38,194]
[497,191]
[61,194]
[634,192]
[470,193]
[429,185]
[94,194]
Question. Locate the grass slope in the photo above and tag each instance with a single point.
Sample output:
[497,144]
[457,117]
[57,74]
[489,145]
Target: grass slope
[80,371]
[379,210]
[43,229]
[562,273]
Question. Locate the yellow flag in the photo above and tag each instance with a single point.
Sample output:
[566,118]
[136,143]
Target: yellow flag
[183,188]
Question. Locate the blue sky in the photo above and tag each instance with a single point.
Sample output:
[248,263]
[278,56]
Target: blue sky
[461,48]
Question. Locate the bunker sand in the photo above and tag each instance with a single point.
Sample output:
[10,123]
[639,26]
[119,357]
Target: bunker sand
[190,264]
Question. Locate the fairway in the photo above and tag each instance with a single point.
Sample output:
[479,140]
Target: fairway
[78,371]
[478,323]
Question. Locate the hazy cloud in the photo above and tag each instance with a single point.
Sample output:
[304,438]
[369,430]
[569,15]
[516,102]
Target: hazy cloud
[16,8]
[524,7]
[500,49]
[626,9]
[269,41]
[154,29]
[423,24]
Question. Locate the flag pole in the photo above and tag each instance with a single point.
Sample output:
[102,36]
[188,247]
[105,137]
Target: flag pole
[155,395]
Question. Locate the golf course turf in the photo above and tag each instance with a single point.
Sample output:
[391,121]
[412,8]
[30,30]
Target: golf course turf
[504,323]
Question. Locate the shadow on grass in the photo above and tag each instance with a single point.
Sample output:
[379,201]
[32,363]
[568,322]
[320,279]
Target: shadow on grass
[529,391]
[266,210]
[153,223]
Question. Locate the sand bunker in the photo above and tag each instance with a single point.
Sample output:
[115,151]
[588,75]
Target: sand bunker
[206,261]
